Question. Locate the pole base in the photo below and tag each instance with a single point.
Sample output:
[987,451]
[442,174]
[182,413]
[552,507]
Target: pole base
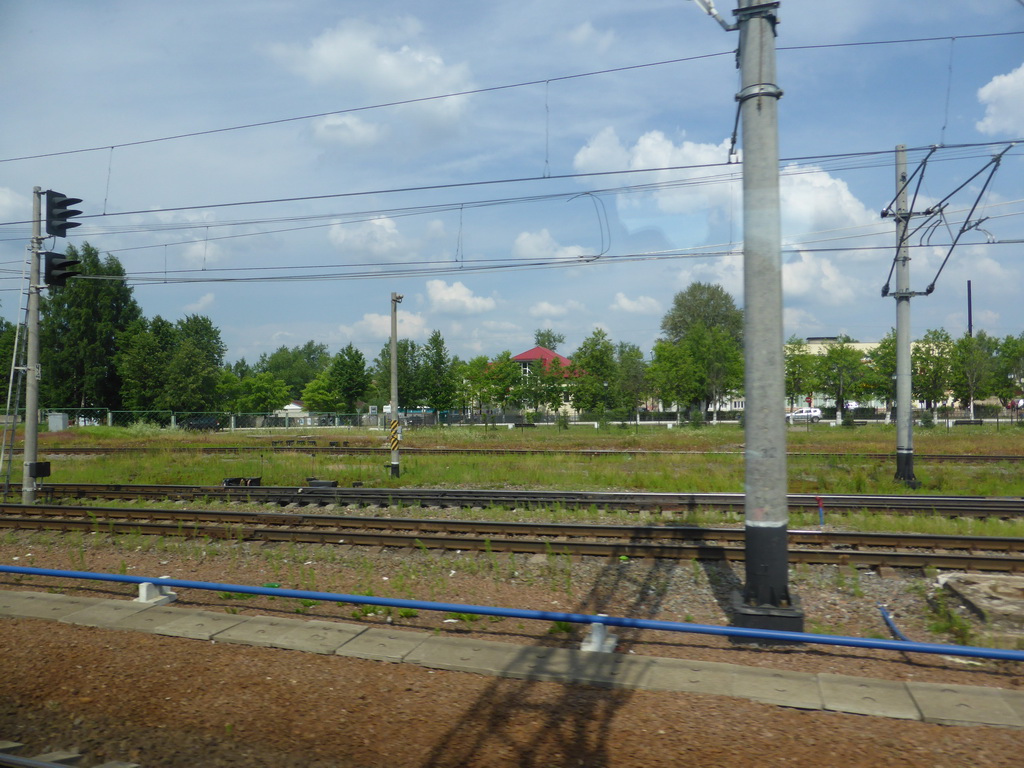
[782,619]
[905,468]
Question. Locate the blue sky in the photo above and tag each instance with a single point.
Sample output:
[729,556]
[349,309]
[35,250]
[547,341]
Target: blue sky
[540,197]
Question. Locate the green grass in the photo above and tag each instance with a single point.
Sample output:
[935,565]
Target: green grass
[710,459]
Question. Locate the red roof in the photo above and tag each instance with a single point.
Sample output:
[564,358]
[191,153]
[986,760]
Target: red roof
[543,354]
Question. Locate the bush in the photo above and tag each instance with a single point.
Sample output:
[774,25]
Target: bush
[927,420]
[697,419]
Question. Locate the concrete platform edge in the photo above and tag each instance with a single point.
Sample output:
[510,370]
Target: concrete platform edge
[864,696]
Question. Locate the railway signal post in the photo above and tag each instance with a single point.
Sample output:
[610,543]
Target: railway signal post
[396,299]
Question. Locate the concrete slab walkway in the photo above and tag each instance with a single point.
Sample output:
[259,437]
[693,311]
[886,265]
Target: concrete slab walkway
[929,702]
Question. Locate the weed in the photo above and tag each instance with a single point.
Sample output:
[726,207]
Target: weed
[467,618]
[946,621]
[561,627]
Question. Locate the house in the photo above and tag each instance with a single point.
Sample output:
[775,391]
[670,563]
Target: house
[542,355]
[294,413]
[546,358]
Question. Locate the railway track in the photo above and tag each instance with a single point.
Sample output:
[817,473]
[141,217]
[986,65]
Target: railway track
[998,554]
[951,506]
[339,448]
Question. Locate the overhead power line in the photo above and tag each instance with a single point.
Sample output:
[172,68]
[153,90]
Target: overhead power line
[487,89]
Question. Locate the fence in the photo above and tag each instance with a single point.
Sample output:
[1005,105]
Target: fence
[219,420]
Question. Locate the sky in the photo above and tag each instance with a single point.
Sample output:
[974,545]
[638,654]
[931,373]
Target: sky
[283,167]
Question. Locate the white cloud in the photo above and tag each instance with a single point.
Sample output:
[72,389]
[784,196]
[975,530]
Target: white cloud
[547,309]
[202,303]
[348,130]
[818,277]
[813,201]
[377,326]
[541,245]
[456,298]
[377,237]
[585,36]
[383,60]
[641,305]
[1003,97]
[605,152]
[799,321]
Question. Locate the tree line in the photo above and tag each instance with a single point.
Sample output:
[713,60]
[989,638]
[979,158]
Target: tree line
[98,350]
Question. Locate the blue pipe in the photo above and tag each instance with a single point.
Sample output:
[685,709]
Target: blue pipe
[519,613]
[892,624]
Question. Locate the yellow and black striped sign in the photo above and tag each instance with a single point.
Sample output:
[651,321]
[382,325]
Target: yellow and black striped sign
[394,442]
[393,439]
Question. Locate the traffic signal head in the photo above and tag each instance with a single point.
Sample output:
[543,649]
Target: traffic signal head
[58,268]
[58,213]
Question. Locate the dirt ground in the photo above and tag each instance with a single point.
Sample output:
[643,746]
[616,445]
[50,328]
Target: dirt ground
[167,702]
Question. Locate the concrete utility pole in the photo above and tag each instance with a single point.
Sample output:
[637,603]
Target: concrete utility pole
[393,436]
[765,602]
[904,376]
[30,452]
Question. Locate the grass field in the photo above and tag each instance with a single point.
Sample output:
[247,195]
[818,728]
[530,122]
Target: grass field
[822,459]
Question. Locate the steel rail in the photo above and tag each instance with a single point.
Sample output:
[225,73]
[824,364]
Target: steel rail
[955,506]
[479,528]
[628,549]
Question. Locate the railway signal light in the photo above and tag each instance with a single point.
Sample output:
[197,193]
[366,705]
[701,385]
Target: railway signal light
[58,213]
[58,268]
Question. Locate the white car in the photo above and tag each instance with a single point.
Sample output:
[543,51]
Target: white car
[804,414]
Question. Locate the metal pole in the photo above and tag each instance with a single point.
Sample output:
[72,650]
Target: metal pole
[904,412]
[29,455]
[765,602]
[393,436]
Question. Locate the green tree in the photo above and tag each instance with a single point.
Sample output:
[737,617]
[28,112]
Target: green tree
[880,381]
[193,370]
[930,357]
[296,366]
[702,304]
[473,383]
[12,335]
[349,377]
[262,393]
[631,384]
[801,370]
[410,390]
[717,361]
[502,381]
[1009,377]
[145,350]
[542,386]
[671,373]
[547,338]
[973,368]
[229,390]
[436,375]
[79,328]
[841,369]
[594,373]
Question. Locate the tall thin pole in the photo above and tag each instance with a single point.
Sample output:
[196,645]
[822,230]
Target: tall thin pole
[904,412]
[393,436]
[765,600]
[30,452]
